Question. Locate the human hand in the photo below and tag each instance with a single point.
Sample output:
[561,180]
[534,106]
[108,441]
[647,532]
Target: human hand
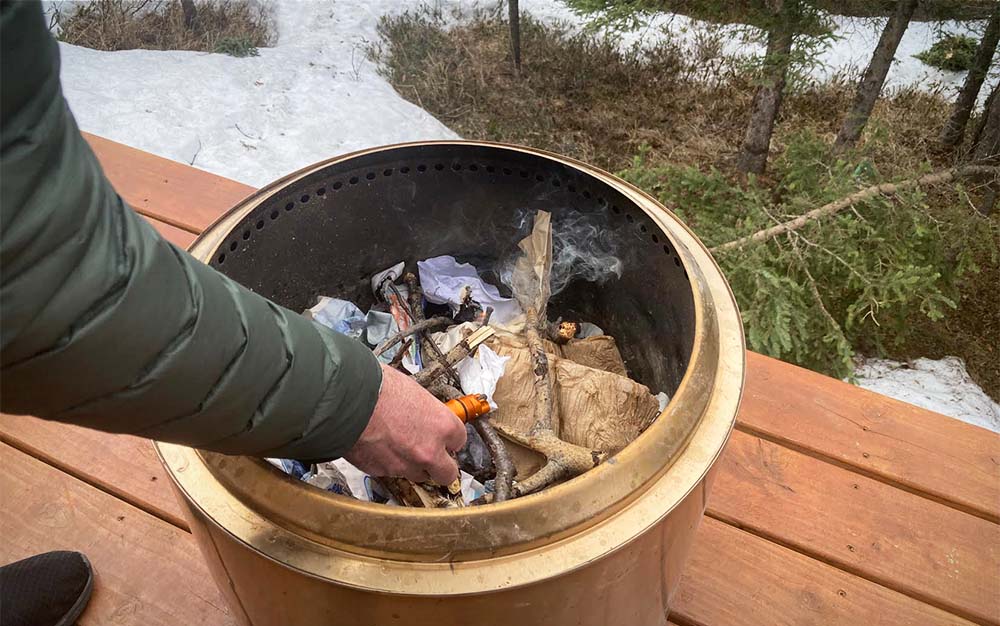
[410,434]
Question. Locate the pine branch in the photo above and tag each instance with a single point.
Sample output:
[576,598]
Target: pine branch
[832,208]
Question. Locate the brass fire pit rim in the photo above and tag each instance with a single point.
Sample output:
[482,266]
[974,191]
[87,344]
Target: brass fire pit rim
[694,257]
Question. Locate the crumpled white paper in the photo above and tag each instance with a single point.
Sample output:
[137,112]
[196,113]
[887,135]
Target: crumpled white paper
[443,278]
[479,373]
[339,315]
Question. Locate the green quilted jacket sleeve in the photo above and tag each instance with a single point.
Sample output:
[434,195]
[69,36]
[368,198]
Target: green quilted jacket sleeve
[106,325]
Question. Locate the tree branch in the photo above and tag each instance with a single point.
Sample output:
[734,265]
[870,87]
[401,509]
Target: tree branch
[837,206]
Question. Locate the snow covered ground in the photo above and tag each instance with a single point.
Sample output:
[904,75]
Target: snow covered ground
[315,94]
[939,385]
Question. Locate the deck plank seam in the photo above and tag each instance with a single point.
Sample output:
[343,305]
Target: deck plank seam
[40,456]
[845,567]
[989,516]
[166,219]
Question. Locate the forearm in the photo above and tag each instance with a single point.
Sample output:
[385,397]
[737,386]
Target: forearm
[107,325]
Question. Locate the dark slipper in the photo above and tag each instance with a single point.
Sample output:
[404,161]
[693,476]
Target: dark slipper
[50,589]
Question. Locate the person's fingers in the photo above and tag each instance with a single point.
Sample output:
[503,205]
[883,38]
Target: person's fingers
[454,437]
[444,470]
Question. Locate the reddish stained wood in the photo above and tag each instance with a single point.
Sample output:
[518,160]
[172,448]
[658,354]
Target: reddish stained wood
[122,465]
[908,543]
[915,449]
[738,579]
[147,572]
[178,237]
[169,191]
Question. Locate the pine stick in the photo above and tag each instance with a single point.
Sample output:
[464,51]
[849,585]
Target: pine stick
[432,323]
[867,193]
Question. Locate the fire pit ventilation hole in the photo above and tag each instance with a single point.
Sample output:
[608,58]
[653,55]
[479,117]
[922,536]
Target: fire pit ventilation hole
[222,258]
[473,167]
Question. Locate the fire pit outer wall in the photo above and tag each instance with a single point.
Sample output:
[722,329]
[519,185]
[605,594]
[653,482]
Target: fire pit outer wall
[605,548]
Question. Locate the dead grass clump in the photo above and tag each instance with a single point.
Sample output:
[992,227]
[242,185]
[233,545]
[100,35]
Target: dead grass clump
[577,94]
[235,27]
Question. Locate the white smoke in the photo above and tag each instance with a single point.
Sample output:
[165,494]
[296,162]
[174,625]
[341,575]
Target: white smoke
[584,247]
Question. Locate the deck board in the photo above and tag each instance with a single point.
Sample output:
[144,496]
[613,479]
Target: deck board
[904,445]
[147,572]
[172,192]
[734,578]
[122,465]
[860,525]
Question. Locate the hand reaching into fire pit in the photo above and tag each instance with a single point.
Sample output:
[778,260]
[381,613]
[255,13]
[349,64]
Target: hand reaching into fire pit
[410,434]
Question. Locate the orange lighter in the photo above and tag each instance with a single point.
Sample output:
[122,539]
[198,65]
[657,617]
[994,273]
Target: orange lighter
[469,407]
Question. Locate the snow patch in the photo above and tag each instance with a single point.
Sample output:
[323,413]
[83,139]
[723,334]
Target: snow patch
[938,385]
[313,95]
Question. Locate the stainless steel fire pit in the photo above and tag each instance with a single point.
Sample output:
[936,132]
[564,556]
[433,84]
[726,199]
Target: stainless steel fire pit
[604,548]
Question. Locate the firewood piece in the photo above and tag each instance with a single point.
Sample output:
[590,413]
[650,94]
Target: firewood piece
[464,348]
[429,324]
[428,348]
[494,443]
[504,481]
[563,459]
[397,360]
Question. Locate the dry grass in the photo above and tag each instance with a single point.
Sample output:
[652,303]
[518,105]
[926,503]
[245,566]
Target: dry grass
[579,95]
[236,27]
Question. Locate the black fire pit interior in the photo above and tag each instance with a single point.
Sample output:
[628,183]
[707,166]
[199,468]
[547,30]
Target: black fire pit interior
[327,233]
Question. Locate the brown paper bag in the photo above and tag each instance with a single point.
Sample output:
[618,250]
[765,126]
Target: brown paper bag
[593,408]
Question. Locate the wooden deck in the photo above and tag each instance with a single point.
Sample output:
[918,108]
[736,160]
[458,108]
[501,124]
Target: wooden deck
[834,505]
